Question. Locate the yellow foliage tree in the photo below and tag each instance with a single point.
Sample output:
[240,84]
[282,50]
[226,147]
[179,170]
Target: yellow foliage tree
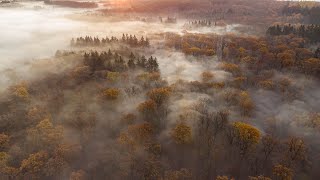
[45,134]
[259,178]
[232,68]
[4,141]
[245,103]
[282,172]
[34,165]
[311,66]
[111,94]
[20,91]
[148,107]
[113,76]
[182,133]
[247,136]
[182,174]
[159,95]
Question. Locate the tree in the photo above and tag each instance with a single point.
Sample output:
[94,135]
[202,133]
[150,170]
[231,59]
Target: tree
[287,59]
[210,125]
[267,84]
[148,108]
[34,165]
[182,133]
[311,66]
[317,53]
[113,76]
[232,68]
[245,103]
[259,178]
[137,135]
[142,62]
[269,146]
[152,65]
[207,76]
[4,141]
[159,95]
[224,178]
[282,173]
[45,135]
[295,152]
[78,175]
[131,61]
[246,136]
[182,174]
[128,119]
[111,94]
[20,91]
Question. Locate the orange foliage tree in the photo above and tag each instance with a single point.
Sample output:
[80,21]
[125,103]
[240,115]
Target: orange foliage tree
[182,133]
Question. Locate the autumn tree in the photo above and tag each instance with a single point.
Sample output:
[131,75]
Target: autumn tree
[224,178]
[138,134]
[148,109]
[4,141]
[111,94]
[45,135]
[246,136]
[182,133]
[269,145]
[232,68]
[207,76]
[287,59]
[282,172]
[159,95]
[78,175]
[267,84]
[182,174]
[295,152]
[33,167]
[113,76]
[20,91]
[128,119]
[209,126]
[259,178]
[311,66]
[245,103]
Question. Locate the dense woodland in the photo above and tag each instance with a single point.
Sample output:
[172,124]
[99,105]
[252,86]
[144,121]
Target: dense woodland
[112,111]
[310,32]
[56,128]
[311,14]
[131,40]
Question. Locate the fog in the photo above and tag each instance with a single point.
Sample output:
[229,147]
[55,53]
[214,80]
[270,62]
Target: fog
[34,31]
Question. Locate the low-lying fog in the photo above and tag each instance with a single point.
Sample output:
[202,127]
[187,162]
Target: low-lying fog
[34,30]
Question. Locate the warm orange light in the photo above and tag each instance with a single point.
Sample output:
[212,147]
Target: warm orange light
[122,3]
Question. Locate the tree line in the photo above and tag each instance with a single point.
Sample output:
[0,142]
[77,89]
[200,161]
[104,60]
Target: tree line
[311,14]
[116,63]
[131,40]
[202,23]
[312,32]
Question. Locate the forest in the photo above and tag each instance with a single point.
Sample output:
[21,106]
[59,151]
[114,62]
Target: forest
[311,32]
[131,40]
[311,13]
[218,91]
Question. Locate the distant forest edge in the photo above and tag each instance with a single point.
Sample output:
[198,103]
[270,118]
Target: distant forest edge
[311,32]
[311,14]
[72,4]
